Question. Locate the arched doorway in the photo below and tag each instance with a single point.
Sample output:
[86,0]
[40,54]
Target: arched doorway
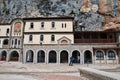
[14,56]
[64,57]
[52,57]
[3,56]
[76,56]
[29,56]
[87,57]
[41,56]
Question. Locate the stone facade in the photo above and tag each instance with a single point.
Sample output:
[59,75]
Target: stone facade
[21,40]
[69,50]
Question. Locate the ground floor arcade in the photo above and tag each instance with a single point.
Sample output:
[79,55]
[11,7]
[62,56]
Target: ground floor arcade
[61,54]
[10,55]
[82,54]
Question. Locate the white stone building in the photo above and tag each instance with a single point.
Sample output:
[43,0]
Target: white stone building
[53,40]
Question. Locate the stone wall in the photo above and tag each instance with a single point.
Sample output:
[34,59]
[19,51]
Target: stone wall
[93,74]
[58,48]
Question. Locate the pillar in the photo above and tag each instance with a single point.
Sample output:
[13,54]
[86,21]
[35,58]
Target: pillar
[35,57]
[46,58]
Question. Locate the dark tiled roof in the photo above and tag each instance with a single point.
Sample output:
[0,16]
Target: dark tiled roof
[47,18]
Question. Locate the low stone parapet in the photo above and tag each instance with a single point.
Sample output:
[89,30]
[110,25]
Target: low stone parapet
[93,74]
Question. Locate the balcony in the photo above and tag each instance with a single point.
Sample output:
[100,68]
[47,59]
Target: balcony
[94,41]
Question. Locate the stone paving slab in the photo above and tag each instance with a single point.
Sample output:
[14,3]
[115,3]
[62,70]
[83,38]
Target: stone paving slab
[56,71]
[15,77]
[58,77]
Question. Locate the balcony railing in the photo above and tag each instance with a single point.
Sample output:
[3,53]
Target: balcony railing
[94,40]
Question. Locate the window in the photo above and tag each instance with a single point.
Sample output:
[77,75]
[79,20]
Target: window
[65,25]
[62,25]
[42,24]
[52,37]
[7,31]
[111,55]
[41,37]
[30,38]
[53,24]
[19,42]
[5,42]
[12,42]
[99,55]
[15,41]
[31,25]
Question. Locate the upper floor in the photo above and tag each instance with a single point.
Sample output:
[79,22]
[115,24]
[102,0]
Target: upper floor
[4,30]
[48,24]
[95,37]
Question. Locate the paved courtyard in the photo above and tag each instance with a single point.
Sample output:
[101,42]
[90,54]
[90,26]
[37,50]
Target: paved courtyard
[30,71]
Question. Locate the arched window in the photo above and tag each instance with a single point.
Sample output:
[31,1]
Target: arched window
[31,25]
[19,42]
[52,37]
[41,37]
[53,24]
[12,42]
[15,41]
[111,55]
[7,30]
[99,55]
[30,38]
[42,24]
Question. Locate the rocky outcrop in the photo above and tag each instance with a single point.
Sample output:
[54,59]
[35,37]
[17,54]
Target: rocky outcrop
[86,12]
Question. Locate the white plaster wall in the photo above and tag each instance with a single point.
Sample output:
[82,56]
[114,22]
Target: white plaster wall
[3,29]
[48,27]
[1,42]
[47,38]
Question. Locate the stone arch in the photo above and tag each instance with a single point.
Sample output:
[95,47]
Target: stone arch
[64,56]
[3,55]
[99,54]
[17,27]
[87,56]
[41,56]
[64,42]
[29,56]
[111,54]
[52,56]
[14,56]
[76,56]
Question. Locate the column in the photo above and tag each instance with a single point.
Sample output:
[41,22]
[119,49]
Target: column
[24,57]
[34,57]
[8,57]
[105,57]
[0,56]
[58,57]
[46,58]
[82,58]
